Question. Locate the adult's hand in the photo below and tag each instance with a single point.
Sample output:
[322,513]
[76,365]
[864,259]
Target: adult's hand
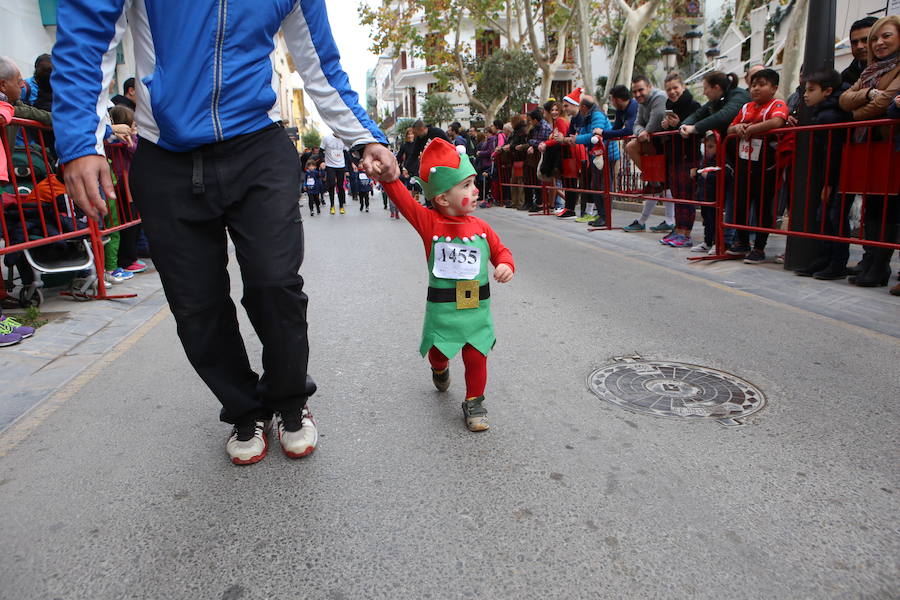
[643,136]
[379,163]
[530,149]
[84,178]
[542,147]
[687,130]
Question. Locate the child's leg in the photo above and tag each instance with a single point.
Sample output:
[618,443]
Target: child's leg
[476,371]
[438,361]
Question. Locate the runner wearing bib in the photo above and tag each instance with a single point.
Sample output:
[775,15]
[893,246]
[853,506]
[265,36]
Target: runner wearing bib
[458,248]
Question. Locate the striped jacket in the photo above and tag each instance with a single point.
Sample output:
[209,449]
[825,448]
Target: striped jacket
[203,72]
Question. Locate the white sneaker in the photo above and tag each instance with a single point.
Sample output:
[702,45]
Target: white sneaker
[297,433]
[712,250]
[701,247]
[248,443]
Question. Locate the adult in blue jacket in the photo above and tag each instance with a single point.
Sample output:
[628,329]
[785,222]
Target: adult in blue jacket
[212,156]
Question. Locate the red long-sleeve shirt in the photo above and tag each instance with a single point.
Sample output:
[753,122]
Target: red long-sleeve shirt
[433,225]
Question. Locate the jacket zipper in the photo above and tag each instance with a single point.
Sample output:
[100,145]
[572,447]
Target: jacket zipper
[217,68]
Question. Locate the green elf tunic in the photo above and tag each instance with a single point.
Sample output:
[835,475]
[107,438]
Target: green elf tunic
[457,244]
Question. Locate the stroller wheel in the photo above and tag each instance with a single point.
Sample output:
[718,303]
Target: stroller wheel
[82,290]
[31,297]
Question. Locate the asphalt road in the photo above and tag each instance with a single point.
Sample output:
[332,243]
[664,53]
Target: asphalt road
[120,488]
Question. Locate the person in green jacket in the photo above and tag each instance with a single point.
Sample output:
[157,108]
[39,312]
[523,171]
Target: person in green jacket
[725,100]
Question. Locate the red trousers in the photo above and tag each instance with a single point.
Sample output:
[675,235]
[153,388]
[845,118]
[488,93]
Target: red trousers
[476,368]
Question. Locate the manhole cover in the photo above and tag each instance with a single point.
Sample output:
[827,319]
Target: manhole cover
[671,389]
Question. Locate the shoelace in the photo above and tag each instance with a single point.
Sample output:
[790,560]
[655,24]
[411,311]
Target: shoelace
[246,431]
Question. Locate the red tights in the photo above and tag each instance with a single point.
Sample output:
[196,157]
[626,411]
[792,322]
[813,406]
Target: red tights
[476,368]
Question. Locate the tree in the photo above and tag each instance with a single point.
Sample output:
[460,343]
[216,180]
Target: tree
[558,20]
[437,109]
[311,138]
[634,21]
[508,75]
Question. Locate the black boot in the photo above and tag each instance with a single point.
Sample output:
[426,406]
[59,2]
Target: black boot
[832,272]
[879,273]
[863,265]
[815,267]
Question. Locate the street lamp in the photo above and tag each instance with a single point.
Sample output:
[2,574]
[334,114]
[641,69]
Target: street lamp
[692,38]
[712,54]
[670,57]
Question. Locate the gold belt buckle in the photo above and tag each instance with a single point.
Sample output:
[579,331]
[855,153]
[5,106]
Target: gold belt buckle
[467,293]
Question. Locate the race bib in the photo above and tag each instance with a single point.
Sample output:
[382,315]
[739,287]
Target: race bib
[310,182]
[456,261]
[749,149]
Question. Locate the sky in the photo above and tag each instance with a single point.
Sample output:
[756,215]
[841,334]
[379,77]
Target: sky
[353,43]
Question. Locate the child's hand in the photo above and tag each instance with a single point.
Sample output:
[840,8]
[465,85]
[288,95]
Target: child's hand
[503,273]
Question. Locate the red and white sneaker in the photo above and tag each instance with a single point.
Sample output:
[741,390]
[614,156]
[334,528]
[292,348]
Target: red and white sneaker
[297,432]
[136,267]
[248,443]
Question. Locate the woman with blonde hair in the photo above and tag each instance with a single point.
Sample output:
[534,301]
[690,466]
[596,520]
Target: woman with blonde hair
[868,99]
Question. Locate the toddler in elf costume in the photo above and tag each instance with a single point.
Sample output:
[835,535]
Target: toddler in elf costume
[458,247]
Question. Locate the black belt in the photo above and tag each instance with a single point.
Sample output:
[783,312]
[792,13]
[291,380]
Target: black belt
[449,294]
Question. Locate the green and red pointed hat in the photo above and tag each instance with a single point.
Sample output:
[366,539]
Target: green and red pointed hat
[442,166]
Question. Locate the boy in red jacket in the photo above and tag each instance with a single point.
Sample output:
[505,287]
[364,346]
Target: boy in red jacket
[457,248]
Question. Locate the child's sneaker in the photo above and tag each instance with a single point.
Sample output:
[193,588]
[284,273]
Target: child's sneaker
[332,210]
[680,241]
[475,414]
[136,267]
[297,432]
[247,444]
[120,275]
[635,226]
[441,379]
[342,210]
[8,337]
[22,330]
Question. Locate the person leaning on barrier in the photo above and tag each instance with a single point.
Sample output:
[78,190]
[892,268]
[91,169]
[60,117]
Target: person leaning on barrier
[214,162]
[724,99]
[10,91]
[867,99]
[821,94]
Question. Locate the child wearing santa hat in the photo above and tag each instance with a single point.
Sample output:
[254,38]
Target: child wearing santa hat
[458,247]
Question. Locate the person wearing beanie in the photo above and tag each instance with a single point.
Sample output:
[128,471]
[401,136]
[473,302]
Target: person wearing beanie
[458,247]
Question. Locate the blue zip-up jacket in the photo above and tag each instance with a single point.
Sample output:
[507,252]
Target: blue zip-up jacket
[585,133]
[624,123]
[203,72]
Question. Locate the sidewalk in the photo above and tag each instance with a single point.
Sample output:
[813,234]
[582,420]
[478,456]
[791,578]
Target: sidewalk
[78,334]
[871,308]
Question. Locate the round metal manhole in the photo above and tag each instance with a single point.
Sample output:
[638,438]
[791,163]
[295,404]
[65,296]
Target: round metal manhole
[672,389]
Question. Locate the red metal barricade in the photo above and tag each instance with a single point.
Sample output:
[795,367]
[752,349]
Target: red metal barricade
[846,162]
[43,231]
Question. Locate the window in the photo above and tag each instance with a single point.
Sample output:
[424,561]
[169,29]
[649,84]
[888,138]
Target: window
[411,96]
[559,89]
[403,59]
[486,43]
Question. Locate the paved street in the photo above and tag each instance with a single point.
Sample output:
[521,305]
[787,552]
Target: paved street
[118,485]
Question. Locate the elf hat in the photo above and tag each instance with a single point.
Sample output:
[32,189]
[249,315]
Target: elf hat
[573,97]
[442,166]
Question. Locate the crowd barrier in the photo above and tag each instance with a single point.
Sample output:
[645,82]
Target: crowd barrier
[756,187]
[44,233]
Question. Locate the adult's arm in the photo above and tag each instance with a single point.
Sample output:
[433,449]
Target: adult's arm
[875,103]
[657,113]
[598,120]
[309,40]
[627,127]
[25,111]
[84,59]
[723,117]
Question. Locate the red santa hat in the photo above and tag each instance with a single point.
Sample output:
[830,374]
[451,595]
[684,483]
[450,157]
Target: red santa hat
[573,97]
